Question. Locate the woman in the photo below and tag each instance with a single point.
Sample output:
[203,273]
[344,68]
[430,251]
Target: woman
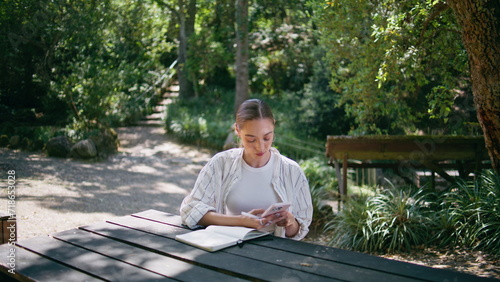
[249,179]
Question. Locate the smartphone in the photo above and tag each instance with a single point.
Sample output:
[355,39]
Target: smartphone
[272,209]
[275,208]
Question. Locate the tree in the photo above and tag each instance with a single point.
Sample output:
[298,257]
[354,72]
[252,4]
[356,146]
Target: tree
[480,23]
[241,52]
[185,12]
[399,66]
[81,63]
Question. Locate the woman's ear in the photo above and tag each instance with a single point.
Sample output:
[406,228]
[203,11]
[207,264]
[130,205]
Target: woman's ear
[236,129]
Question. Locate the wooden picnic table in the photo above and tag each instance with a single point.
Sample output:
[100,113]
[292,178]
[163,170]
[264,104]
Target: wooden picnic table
[141,247]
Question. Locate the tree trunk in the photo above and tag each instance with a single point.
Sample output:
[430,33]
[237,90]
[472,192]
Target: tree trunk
[186,14]
[241,52]
[480,23]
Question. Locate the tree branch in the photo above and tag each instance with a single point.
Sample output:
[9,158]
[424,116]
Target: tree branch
[162,3]
[439,8]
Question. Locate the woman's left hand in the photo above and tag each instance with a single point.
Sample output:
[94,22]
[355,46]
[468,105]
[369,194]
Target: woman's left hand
[287,220]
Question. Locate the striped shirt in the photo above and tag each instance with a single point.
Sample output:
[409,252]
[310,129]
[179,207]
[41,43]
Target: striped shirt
[222,171]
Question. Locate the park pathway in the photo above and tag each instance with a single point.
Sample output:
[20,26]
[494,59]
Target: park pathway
[150,171]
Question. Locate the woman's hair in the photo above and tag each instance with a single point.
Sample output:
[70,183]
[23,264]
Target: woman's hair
[251,110]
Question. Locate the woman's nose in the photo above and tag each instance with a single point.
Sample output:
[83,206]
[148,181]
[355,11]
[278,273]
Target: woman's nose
[261,145]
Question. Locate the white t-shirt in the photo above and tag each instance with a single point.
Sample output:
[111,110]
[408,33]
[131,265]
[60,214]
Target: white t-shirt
[253,190]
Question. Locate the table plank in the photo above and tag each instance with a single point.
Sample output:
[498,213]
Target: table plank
[237,266]
[162,217]
[30,266]
[87,261]
[290,260]
[139,257]
[356,259]
[316,265]
[373,262]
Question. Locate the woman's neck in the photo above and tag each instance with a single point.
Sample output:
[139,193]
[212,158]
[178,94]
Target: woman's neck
[257,162]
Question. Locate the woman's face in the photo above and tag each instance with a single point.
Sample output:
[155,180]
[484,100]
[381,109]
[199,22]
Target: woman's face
[257,137]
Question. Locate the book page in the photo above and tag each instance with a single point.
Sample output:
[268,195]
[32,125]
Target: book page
[243,233]
[207,240]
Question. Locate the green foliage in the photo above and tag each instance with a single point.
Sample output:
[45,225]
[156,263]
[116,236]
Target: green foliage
[201,121]
[388,57]
[470,214]
[87,62]
[208,120]
[208,62]
[110,82]
[322,184]
[281,58]
[392,220]
[400,219]
[440,102]
[336,67]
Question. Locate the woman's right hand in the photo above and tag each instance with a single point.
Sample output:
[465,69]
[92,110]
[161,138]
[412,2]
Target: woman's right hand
[213,218]
[259,223]
[252,222]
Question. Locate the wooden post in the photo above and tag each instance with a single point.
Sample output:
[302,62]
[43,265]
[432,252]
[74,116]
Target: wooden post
[7,233]
[344,176]
[339,180]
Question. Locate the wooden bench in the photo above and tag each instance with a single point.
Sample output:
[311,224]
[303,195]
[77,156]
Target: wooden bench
[141,247]
[404,153]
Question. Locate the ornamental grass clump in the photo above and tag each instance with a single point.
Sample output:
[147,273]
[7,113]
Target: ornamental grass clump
[391,220]
[472,210]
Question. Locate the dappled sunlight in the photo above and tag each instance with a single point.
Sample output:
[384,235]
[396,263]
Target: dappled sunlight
[56,194]
[169,188]
[144,169]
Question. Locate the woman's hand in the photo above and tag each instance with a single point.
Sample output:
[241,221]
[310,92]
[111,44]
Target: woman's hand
[284,219]
[287,220]
[257,223]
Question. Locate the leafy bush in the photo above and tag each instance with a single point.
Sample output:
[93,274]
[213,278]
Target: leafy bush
[200,121]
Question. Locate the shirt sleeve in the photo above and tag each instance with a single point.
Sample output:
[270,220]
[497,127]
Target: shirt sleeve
[202,198]
[303,208]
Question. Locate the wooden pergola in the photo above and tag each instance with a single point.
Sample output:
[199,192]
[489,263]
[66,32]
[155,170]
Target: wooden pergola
[466,154]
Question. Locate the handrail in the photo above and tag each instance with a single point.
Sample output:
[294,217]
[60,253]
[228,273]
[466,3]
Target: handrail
[163,78]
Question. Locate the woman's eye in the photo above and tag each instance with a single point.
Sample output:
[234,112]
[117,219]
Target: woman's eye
[251,141]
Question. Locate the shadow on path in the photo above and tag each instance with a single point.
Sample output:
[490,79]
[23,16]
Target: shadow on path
[150,171]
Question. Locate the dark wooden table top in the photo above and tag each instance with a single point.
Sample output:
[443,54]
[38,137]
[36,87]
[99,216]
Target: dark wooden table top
[141,247]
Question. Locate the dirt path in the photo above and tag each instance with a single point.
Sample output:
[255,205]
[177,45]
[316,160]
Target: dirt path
[150,171]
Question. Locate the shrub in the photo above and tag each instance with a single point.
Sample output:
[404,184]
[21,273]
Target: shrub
[392,220]
[200,121]
[323,187]
[472,210]
[468,215]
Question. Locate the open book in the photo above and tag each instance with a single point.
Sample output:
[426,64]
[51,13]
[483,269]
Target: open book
[216,237]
